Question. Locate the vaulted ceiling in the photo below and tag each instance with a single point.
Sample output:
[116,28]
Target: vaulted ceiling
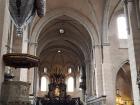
[75,45]
[69,48]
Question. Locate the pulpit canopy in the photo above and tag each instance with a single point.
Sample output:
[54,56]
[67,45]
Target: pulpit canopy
[20,60]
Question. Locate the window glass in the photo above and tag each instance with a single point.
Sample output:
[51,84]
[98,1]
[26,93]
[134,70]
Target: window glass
[70,84]
[122,27]
[43,84]
[80,80]
[69,70]
[45,69]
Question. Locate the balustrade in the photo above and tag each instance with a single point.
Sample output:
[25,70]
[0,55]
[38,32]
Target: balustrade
[96,100]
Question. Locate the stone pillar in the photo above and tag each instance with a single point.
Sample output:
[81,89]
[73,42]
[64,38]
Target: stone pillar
[88,78]
[134,49]
[98,71]
[31,79]
[12,36]
[24,72]
[34,78]
[4,26]
[92,73]
[108,80]
[35,82]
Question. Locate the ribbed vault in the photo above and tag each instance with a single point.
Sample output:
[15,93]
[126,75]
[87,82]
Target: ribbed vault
[70,48]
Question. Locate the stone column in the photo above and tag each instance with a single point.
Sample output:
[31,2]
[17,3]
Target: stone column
[98,71]
[31,79]
[35,82]
[88,78]
[33,71]
[12,36]
[108,80]
[92,73]
[4,26]
[134,49]
[24,72]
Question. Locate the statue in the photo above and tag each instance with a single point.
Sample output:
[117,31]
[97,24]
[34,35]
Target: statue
[57,91]
[23,11]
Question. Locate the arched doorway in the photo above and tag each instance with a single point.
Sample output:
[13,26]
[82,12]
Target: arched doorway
[124,94]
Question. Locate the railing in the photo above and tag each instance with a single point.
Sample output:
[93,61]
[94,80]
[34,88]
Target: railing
[58,101]
[96,100]
[32,99]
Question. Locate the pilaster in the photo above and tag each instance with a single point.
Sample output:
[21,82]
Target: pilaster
[108,80]
[98,71]
[134,48]
[4,26]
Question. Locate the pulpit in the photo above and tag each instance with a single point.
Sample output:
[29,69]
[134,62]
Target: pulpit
[15,93]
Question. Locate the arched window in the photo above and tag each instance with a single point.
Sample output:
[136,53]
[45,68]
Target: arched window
[80,80]
[122,27]
[70,84]
[43,84]
[69,70]
[45,69]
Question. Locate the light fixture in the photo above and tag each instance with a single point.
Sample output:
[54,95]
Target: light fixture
[61,31]
[59,51]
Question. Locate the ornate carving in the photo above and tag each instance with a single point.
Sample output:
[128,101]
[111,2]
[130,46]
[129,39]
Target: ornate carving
[15,93]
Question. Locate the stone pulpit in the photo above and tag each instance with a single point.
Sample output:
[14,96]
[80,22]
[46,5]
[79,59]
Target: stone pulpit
[15,93]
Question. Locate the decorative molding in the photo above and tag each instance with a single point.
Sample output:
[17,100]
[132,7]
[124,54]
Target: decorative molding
[104,44]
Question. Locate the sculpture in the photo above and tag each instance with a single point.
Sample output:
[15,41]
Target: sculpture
[23,11]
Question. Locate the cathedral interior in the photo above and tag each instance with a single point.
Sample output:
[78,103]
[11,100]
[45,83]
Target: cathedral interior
[69,52]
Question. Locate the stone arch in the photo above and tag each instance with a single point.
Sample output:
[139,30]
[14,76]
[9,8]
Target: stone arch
[54,14]
[84,21]
[123,83]
[117,68]
[108,15]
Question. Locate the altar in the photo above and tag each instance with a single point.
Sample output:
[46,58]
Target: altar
[57,90]
[58,101]
[57,94]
